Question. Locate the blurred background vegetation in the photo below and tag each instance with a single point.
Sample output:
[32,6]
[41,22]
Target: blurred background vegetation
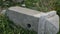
[40,5]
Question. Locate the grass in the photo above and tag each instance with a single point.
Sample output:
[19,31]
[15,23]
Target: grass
[8,27]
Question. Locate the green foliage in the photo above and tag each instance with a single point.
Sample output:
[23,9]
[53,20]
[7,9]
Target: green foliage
[41,5]
[30,3]
[8,3]
[57,7]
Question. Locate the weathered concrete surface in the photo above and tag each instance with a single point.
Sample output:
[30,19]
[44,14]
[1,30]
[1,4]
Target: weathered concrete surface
[42,23]
[48,23]
[23,17]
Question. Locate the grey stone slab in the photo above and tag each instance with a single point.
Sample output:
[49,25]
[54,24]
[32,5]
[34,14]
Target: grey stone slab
[23,19]
[24,10]
[42,23]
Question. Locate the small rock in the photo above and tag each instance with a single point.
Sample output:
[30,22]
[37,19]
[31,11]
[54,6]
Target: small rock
[3,11]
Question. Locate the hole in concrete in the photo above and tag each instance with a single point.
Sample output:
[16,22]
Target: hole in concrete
[28,25]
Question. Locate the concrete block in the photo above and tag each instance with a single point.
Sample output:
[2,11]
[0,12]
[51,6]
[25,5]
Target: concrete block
[42,23]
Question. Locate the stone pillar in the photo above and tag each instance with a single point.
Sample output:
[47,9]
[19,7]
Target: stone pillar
[42,23]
